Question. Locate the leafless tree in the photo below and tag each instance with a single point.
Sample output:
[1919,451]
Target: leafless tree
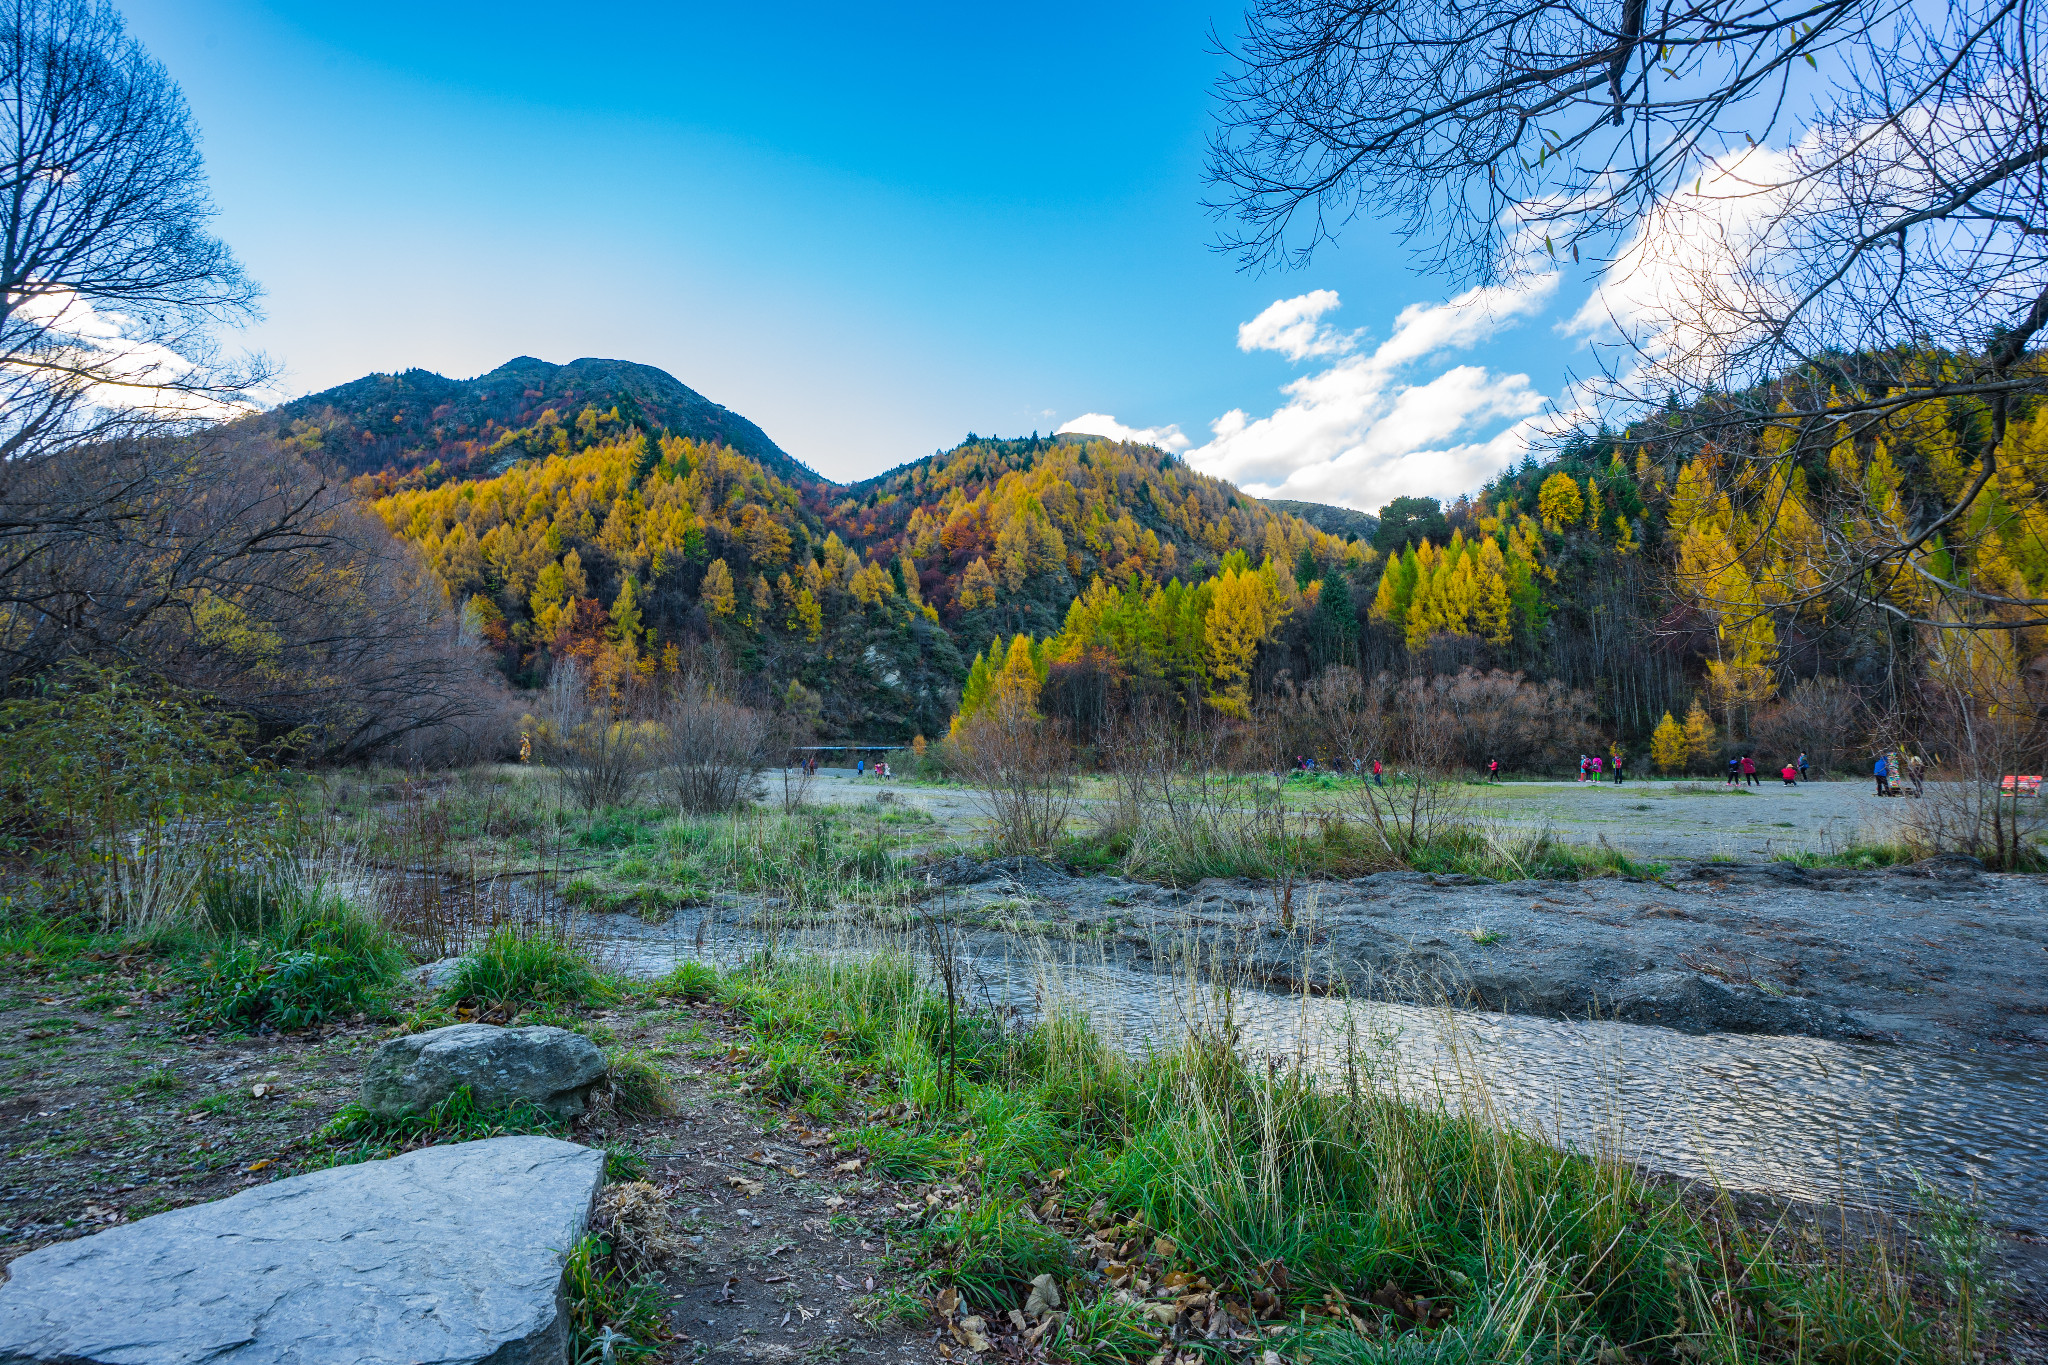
[1981,735]
[134,528]
[111,283]
[594,743]
[1818,717]
[706,750]
[247,578]
[1023,768]
[1806,214]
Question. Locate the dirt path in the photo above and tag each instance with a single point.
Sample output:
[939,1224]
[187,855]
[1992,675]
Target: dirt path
[108,1113]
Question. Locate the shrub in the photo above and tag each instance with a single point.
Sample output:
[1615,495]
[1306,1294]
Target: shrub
[517,969]
[589,739]
[687,981]
[707,751]
[121,794]
[287,960]
[636,1085]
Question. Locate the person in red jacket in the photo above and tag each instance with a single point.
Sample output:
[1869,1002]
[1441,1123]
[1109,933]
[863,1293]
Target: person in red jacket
[1749,771]
[1790,774]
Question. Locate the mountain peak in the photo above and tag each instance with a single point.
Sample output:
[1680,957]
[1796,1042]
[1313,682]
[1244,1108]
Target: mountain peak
[400,422]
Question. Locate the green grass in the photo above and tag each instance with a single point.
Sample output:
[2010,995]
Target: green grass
[57,947]
[275,947]
[1858,857]
[636,1084]
[518,969]
[647,862]
[685,981]
[1335,846]
[1541,1254]
[611,1317]
[356,1134]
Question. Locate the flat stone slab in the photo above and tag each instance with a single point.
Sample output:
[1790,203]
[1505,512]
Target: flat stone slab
[451,1255]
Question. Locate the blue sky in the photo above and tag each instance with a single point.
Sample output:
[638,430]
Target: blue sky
[869,231]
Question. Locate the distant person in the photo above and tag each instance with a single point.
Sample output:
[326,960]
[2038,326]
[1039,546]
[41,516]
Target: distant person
[1377,779]
[1619,761]
[1734,772]
[1493,770]
[860,767]
[1791,775]
[1749,772]
[1883,787]
[1596,767]
[1801,765]
[1584,764]
[1916,773]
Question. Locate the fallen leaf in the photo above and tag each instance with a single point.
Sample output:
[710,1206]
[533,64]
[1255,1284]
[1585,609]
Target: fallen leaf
[1044,1298]
[1165,1248]
[260,1165]
[750,1188]
[948,1300]
[848,1167]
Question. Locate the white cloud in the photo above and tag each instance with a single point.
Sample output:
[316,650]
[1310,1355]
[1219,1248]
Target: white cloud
[1364,429]
[1683,290]
[1102,424]
[121,372]
[1293,327]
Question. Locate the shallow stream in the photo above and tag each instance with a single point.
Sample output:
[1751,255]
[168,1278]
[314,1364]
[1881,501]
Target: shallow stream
[1802,1117]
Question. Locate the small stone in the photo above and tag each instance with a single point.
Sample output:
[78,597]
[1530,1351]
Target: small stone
[539,1065]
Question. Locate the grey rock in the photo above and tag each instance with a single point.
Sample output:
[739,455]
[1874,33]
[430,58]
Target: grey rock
[549,1067]
[1700,1004]
[434,974]
[452,1254]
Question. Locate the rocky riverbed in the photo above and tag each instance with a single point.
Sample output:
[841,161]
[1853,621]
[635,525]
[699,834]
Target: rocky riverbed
[1939,954]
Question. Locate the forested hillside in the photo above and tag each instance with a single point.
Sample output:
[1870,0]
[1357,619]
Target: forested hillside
[612,539]
[426,426]
[1622,580]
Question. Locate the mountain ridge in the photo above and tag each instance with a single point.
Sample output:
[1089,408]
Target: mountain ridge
[402,422]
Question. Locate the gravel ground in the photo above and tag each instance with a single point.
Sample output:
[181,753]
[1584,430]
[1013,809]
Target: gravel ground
[1654,819]
[1936,954]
